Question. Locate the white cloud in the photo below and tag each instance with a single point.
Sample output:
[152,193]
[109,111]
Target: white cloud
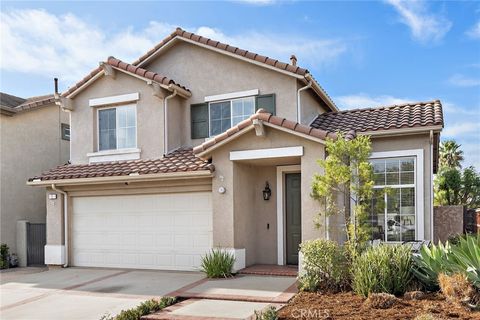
[450,108]
[461,80]
[424,25]
[474,32]
[363,100]
[460,128]
[39,42]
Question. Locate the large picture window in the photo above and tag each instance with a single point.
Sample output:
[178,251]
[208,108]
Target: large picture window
[226,114]
[393,207]
[117,128]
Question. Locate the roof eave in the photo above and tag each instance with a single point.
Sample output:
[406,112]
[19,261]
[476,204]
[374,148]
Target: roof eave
[130,178]
[402,131]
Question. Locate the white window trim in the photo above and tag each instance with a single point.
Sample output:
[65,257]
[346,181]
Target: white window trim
[232,95]
[121,150]
[231,117]
[114,155]
[266,153]
[123,98]
[419,184]
[281,245]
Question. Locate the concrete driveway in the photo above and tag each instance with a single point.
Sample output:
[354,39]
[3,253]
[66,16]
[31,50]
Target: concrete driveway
[83,293]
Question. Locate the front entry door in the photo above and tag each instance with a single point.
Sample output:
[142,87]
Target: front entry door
[293,216]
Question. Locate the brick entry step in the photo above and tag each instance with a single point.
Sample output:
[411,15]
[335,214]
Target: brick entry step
[270,270]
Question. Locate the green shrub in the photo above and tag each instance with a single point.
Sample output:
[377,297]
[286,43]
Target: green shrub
[218,263]
[4,256]
[465,258]
[430,263]
[325,266]
[462,257]
[269,313]
[143,309]
[386,268]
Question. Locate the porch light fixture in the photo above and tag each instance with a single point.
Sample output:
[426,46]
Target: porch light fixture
[266,192]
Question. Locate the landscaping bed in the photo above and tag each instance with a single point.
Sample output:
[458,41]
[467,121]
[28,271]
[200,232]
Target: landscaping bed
[347,305]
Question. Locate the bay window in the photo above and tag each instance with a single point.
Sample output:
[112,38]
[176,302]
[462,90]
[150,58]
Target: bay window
[117,128]
[393,215]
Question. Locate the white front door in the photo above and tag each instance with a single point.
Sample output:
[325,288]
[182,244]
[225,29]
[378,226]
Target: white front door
[161,231]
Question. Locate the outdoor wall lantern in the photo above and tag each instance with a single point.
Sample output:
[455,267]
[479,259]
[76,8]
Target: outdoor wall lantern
[266,192]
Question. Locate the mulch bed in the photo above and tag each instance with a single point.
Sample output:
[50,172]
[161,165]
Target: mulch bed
[347,305]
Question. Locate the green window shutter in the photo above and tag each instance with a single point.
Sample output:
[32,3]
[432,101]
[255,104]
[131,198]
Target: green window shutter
[266,102]
[199,116]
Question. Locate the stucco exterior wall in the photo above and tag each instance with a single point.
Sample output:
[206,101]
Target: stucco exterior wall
[244,225]
[30,143]
[149,117]
[311,104]
[410,142]
[207,73]
[448,222]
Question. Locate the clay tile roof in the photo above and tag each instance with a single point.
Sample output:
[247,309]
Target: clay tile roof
[179,32]
[181,160]
[142,72]
[273,120]
[16,104]
[129,68]
[410,115]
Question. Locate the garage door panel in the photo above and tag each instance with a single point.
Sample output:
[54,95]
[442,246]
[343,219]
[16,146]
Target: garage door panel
[142,231]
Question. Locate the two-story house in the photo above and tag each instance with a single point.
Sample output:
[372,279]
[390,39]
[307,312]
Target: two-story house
[34,137]
[200,144]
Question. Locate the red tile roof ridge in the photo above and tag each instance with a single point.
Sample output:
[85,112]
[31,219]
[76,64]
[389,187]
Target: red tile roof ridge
[117,63]
[393,106]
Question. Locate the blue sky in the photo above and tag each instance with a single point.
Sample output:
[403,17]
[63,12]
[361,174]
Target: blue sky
[363,53]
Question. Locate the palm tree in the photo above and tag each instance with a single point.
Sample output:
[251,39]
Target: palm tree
[450,154]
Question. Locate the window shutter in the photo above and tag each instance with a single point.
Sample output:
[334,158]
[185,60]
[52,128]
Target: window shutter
[266,102]
[199,118]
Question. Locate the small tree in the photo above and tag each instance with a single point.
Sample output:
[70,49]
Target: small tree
[348,173]
[454,187]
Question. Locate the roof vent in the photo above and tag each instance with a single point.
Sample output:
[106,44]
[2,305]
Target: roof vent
[293,60]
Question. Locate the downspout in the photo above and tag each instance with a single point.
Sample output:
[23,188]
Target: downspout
[165,122]
[65,220]
[299,107]
[431,187]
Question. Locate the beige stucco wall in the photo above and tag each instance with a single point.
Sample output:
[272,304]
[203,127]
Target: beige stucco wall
[149,116]
[207,72]
[30,144]
[311,104]
[410,142]
[244,225]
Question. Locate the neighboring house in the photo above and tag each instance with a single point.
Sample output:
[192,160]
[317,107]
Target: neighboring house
[171,156]
[34,137]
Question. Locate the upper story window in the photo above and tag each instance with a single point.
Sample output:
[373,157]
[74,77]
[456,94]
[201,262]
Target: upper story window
[216,116]
[393,214]
[65,131]
[117,128]
[226,114]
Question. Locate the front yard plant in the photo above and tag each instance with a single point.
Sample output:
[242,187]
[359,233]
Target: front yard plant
[218,263]
[4,263]
[429,264]
[325,266]
[382,269]
[147,307]
[270,313]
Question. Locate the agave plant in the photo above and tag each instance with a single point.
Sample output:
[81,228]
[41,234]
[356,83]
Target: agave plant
[465,258]
[430,263]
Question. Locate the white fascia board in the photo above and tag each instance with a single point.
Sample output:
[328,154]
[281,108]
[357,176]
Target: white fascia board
[114,99]
[266,153]
[232,95]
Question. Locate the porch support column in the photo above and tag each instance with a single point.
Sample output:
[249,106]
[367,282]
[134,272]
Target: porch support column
[55,248]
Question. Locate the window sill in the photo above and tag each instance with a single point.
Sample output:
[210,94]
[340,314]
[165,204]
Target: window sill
[114,155]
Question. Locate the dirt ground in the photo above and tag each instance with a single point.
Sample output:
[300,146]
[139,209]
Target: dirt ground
[347,305]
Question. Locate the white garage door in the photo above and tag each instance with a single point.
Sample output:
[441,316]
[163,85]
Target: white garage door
[162,231]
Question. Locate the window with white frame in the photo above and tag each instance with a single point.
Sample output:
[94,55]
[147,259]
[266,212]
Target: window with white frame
[226,114]
[117,128]
[393,214]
